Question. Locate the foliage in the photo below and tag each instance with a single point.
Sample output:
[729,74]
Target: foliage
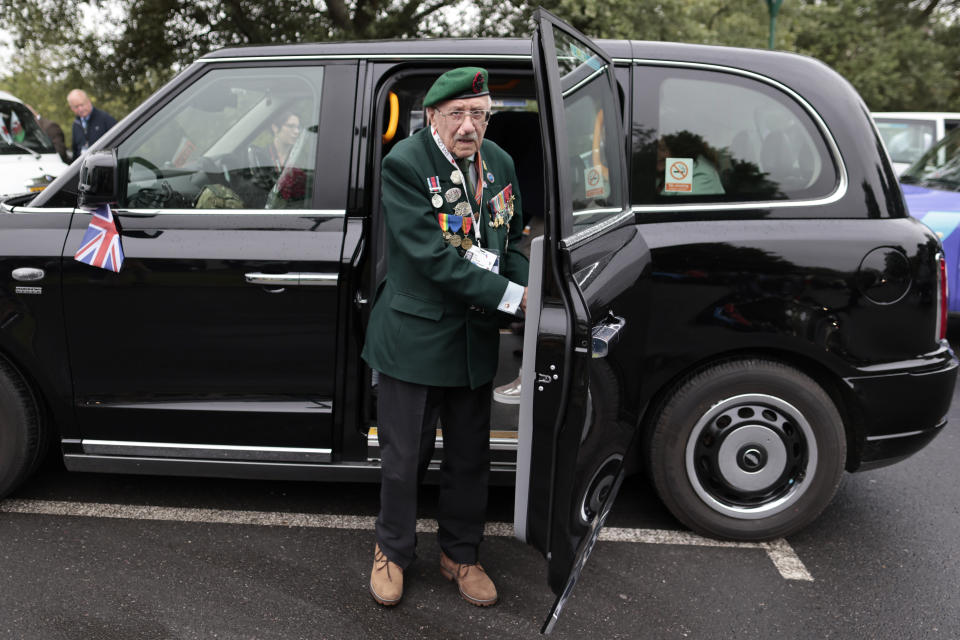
[900,55]
[897,57]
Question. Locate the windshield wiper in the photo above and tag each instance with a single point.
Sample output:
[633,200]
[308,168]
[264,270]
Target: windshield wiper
[944,183]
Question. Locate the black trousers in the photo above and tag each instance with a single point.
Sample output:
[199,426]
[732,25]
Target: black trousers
[407,421]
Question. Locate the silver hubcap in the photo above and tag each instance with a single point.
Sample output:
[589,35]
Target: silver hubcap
[751,456]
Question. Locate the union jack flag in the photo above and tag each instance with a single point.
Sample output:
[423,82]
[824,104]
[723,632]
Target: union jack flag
[101,243]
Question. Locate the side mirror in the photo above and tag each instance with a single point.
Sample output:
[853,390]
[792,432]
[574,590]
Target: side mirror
[98,179]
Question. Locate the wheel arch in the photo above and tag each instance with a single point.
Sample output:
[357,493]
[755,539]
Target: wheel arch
[41,403]
[840,393]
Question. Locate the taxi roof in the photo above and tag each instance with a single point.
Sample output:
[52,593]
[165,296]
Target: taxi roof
[771,63]
[405,49]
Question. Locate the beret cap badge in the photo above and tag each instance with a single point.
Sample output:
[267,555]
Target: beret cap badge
[478,82]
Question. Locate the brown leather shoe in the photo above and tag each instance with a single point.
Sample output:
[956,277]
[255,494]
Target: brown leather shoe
[386,579]
[475,585]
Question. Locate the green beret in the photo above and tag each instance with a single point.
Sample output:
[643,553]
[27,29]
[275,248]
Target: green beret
[463,82]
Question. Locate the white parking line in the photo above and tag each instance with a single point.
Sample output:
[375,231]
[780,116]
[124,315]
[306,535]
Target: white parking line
[779,551]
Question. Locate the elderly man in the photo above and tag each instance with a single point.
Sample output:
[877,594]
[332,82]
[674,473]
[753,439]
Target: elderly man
[453,225]
[90,123]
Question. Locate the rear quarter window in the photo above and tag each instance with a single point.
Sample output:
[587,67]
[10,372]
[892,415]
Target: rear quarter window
[717,137]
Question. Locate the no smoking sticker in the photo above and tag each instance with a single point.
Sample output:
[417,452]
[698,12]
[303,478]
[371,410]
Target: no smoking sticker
[595,184]
[678,176]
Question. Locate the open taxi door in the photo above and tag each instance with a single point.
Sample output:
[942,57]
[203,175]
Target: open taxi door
[573,442]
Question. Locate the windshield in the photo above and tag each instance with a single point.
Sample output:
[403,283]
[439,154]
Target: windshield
[906,140]
[940,166]
[20,130]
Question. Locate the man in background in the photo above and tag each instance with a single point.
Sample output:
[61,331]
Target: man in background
[90,123]
[54,132]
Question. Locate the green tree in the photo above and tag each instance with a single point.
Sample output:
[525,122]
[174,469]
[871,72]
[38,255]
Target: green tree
[898,54]
[153,39]
[31,82]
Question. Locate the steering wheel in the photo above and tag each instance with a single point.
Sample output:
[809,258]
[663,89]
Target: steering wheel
[152,168]
[215,165]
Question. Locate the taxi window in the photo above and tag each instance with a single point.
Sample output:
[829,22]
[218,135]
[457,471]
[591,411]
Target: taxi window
[591,115]
[702,137]
[939,168]
[234,139]
[906,140]
[19,131]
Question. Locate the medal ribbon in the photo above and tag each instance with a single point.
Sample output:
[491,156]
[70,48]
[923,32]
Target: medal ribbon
[442,217]
[463,180]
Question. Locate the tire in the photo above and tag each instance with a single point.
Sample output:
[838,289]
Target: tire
[747,450]
[20,436]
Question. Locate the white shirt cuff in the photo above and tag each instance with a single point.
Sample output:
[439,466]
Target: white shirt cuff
[512,297]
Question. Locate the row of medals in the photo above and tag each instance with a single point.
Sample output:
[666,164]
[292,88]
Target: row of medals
[461,209]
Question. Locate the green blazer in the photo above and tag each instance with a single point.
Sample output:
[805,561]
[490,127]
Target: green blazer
[434,319]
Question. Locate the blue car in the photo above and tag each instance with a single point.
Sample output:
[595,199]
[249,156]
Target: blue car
[932,189]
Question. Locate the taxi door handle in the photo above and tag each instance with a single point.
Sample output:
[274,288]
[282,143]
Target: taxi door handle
[606,334]
[293,279]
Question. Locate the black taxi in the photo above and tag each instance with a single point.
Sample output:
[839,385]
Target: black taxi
[728,293]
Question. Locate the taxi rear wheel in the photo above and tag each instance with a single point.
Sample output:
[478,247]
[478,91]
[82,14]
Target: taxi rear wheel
[747,450]
[20,435]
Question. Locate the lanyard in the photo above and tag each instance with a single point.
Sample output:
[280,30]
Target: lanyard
[478,196]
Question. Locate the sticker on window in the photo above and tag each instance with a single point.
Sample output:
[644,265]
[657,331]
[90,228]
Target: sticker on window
[594,182]
[678,176]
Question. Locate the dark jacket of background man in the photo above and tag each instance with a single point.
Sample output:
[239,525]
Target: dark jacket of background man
[97,125]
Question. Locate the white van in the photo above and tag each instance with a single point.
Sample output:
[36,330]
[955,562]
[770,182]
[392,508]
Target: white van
[907,134]
[28,161]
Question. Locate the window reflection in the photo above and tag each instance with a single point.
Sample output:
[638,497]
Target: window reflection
[591,112]
[236,139]
[717,137]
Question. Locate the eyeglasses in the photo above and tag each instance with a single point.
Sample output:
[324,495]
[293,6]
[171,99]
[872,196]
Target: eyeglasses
[479,116]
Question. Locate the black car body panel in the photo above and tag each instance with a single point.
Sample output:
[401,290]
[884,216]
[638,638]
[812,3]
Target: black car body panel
[228,345]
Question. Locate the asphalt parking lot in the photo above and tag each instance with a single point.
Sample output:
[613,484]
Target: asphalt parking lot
[127,557]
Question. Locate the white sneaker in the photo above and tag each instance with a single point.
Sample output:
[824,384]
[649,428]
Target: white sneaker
[508,393]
